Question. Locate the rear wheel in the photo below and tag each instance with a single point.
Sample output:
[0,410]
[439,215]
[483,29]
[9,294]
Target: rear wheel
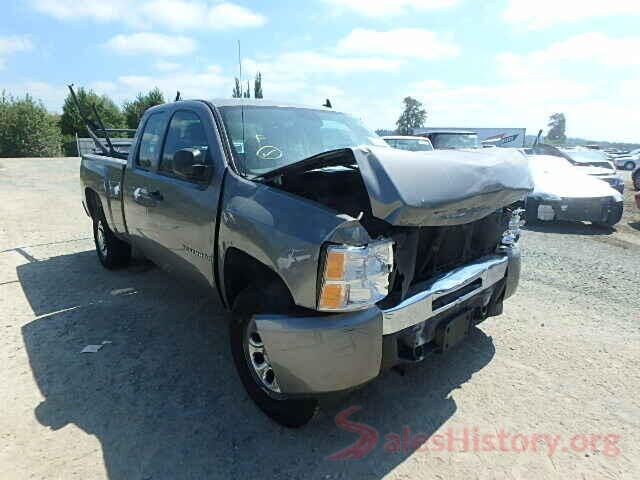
[112,252]
[252,362]
[629,166]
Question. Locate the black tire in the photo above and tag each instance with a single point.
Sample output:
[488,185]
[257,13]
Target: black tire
[636,180]
[531,212]
[629,165]
[112,252]
[614,216]
[293,413]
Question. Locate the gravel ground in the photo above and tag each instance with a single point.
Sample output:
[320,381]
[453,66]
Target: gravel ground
[162,400]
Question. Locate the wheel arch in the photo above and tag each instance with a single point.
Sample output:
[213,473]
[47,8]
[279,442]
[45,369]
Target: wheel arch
[240,270]
[92,201]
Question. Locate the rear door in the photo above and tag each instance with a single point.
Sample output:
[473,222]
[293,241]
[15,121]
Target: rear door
[183,222]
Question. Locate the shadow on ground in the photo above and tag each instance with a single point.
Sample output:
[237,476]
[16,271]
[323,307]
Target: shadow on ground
[163,398]
[570,228]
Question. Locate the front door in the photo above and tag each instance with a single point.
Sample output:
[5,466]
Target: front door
[182,223]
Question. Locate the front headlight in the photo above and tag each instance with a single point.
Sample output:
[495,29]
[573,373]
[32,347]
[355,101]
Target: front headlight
[354,278]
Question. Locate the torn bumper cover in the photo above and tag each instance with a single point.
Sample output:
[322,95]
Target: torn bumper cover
[441,187]
[329,353]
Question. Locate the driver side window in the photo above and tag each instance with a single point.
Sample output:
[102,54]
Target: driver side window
[185,131]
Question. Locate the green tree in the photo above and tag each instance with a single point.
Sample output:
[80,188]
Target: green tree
[557,128]
[27,129]
[70,121]
[237,91]
[133,110]
[247,92]
[412,117]
[257,86]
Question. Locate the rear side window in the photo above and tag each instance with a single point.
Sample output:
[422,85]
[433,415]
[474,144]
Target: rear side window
[185,131]
[152,140]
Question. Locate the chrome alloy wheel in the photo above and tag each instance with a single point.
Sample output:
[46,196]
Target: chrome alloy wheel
[102,239]
[258,359]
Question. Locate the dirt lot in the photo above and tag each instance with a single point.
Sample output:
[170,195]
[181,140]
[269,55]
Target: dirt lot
[162,400]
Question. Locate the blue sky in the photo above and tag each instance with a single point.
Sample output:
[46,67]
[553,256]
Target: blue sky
[502,63]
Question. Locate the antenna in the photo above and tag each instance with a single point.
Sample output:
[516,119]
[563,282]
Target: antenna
[177,96]
[244,147]
[327,104]
[239,63]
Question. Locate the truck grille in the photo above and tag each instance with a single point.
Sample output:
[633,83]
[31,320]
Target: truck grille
[441,249]
[423,253]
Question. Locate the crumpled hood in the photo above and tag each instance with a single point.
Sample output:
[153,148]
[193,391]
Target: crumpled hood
[443,187]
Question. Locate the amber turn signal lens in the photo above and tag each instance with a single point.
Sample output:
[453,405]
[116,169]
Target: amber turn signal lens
[333,296]
[334,269]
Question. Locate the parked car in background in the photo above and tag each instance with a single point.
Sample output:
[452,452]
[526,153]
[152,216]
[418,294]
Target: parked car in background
[453,139]
[635,178]
[596,164]
[563,192]
[625,159]
[627,162]
[413,144]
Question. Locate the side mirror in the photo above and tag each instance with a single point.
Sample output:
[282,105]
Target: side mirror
[189,163]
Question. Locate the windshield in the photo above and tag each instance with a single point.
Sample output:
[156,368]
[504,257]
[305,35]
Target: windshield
[272,137]
[411,144]
[586,155]
[455,140]
[592,158]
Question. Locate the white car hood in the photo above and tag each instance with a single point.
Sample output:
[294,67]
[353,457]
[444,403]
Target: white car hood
[552,177]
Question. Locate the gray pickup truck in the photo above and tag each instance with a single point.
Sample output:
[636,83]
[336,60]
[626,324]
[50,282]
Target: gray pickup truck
[337,255]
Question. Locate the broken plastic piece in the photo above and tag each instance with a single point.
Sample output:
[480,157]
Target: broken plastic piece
[92,348]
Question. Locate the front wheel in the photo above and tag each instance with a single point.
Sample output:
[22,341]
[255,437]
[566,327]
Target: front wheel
[112,252]
[636,180]
[251,358]
[629,166]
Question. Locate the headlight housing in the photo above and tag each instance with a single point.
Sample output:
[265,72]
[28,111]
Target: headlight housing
[355,278]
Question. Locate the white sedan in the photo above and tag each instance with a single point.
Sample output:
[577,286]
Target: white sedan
[563,192]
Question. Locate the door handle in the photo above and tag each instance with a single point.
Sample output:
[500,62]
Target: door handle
[145,197]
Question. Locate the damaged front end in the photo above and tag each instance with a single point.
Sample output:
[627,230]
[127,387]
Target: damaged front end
[451,217]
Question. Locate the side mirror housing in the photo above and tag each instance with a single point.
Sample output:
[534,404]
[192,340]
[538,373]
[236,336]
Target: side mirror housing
[189,163]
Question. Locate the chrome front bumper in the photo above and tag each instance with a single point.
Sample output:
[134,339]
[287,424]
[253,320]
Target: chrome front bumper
[419,307]
[313,354]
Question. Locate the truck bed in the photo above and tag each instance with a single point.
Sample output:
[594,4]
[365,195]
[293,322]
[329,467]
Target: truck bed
[105,176]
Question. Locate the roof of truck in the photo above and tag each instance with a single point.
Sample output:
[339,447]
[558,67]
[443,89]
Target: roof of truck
[403,137]
[253,102]
[448,131]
